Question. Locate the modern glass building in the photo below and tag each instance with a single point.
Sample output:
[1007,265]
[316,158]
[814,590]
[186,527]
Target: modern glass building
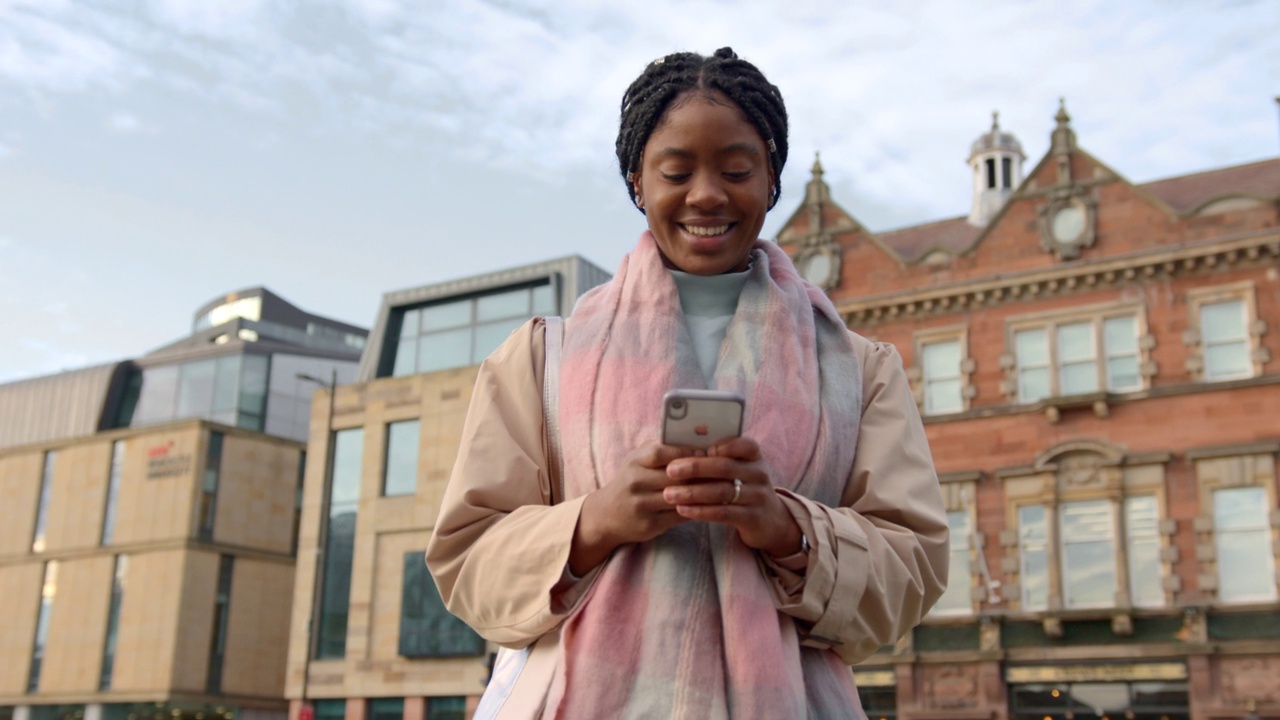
[371,637]
[150,518]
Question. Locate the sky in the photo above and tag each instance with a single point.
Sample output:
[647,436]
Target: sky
[158,154]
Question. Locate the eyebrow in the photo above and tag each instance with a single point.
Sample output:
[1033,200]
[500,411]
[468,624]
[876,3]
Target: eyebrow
[729,149]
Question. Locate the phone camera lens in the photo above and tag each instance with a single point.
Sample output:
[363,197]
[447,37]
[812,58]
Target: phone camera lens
[677,405]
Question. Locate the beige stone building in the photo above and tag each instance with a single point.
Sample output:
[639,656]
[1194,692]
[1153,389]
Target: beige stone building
[380,643]
[143,571]
[148,519]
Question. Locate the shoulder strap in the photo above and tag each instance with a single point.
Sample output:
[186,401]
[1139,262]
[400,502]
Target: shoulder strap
[554,329]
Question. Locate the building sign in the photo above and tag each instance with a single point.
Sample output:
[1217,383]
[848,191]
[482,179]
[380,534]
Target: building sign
[162,462]
[875,678]
[1094,673]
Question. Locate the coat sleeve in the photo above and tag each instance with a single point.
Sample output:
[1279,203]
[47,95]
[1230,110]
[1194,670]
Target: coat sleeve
[878,562]
[499,550]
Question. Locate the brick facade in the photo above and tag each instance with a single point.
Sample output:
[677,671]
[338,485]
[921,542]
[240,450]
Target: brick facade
[1152,256]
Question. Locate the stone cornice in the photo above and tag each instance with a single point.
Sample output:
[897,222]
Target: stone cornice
[991,290]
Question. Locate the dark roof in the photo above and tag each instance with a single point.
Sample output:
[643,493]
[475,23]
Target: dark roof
[54,407]
[912,243]
[1188,192]
[1184,193]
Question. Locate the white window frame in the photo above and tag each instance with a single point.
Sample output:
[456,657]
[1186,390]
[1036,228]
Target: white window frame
[924,382]
[1198,358]
[1101,357]
[1266,541]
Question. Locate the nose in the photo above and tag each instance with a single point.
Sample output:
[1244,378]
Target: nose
[706,192]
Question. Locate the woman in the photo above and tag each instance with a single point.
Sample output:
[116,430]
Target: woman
[740,582]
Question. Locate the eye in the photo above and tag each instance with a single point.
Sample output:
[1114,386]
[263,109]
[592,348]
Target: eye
[675,177]
[738,175]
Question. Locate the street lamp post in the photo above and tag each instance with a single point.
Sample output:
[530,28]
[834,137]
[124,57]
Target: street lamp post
[305,710]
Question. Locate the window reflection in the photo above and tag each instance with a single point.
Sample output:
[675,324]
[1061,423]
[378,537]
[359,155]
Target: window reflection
[464,332]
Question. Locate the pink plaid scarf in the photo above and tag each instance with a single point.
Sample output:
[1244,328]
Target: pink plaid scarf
[684,626]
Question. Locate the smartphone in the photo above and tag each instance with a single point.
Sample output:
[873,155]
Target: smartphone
[701,418]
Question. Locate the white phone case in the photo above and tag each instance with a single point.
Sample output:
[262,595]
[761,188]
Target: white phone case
[701,418]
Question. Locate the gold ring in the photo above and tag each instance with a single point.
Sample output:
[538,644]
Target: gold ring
[737,491]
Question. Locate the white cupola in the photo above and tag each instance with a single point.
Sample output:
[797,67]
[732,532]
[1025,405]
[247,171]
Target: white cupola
[996,158]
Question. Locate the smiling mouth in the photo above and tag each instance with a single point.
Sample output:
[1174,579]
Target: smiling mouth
[706,231]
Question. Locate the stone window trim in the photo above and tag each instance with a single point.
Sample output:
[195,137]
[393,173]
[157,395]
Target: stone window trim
[1256,327]
[1250,465]
[1097,314]
[1075,471]
[959,492]
[915,373]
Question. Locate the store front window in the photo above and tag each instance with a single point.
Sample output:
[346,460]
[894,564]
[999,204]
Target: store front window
[1146,700]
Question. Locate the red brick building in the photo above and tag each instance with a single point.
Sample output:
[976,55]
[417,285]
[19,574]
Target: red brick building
[1099,372]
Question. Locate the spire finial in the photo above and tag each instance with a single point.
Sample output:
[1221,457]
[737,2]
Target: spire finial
[995,121]
[1062,117]
[817,165]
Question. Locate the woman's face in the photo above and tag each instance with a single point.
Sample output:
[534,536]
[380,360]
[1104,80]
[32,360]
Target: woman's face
[705,184]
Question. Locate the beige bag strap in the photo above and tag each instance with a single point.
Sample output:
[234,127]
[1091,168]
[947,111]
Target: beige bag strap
[554,327]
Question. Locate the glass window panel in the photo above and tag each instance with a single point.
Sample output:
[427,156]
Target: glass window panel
[1227,360]
[330,709]
[1032,348]
[1246,566]
[490,335]
[1077,378]
[1088,556]
[402,458]
[544,302]
[1222,321]
[442,350]
[1033,384]
[1089,574]
[348,452]
[1122,373]
[406,357]
[195,389]
[386,709]
[335,591]
[253,384]
[446,708]
[943,396]
[1120,335]
[410,323]
[446,315]
[1142,532]
[942,359]
[957,599]
[1110,698]
[226,384]
[113,491]
[1075,342]
[513,303]
[1159,695]
[158,397]
[427,629]
[1033,551]
[1240,508]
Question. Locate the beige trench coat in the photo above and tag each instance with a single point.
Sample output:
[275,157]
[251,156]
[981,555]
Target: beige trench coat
[877,563]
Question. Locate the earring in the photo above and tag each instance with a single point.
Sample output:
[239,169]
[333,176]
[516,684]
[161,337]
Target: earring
[639,202]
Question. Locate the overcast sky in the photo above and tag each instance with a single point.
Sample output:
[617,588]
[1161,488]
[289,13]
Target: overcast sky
[156,154]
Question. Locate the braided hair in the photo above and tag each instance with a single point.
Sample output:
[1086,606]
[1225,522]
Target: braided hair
[646,102]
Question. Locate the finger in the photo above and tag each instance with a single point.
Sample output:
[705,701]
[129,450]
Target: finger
[708,493]
[657,456]
[718,468]
[739,448]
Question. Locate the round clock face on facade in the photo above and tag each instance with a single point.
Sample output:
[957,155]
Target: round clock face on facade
[817,268]
[1068,224]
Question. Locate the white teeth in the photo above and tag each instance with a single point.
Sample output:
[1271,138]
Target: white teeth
[707,231]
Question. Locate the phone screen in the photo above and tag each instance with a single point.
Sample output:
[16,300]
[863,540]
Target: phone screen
[701,418]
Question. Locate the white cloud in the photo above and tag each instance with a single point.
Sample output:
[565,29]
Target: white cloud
[123,122]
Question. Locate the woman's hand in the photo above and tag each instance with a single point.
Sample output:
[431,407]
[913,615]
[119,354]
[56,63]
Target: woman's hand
[629,509]
[705,490]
